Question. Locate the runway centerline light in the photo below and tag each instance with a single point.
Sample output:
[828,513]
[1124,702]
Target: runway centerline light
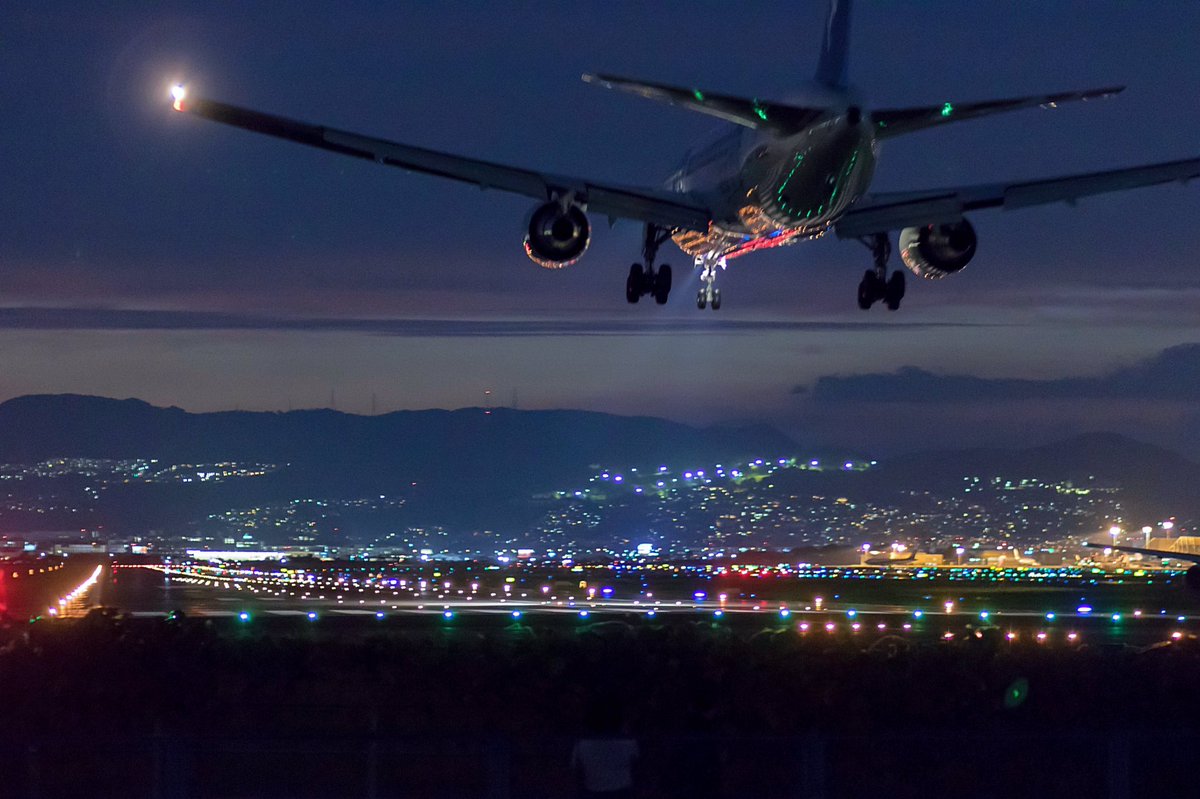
[244,616]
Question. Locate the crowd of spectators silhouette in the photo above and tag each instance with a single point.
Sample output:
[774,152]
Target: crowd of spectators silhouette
[712,691]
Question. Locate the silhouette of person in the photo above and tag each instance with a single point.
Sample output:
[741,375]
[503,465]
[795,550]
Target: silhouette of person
[604,758]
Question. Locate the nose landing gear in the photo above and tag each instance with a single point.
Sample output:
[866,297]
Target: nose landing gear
[645,280]
[708,295]
[876,285]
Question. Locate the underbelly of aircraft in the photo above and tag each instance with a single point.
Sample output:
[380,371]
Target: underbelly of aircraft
[729,242]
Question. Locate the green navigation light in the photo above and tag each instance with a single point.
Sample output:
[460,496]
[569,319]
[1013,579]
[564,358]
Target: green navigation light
[1016,693]
[947,110]
[762,112]
[699,95]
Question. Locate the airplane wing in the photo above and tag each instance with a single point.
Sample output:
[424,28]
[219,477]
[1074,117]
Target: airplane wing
[896,121]
[666,209]
[880,213]
[1158,553]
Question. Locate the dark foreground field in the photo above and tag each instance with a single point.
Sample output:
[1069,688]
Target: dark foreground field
[426,707]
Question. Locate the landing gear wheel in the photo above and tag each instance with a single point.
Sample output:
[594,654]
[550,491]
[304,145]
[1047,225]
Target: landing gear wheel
[701,299]
[875,284]
[633,286]
[868,290]
[662,284]
[894,291]
[716,299]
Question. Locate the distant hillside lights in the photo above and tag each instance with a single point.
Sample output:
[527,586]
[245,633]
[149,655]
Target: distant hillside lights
[134,470]
[757,469]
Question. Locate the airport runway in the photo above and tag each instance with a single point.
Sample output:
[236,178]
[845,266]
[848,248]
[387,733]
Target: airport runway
[1122,614]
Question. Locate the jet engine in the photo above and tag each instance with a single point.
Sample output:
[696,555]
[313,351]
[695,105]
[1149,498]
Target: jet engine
[557,237]
[934,251]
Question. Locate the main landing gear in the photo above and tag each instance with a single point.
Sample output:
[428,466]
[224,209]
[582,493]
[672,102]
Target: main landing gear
[876,285]
[644,280]
[708,294]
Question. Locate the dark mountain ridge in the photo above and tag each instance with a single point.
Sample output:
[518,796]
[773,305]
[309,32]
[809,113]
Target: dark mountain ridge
[38,427]
[1153,479]
[468,464]
[478,468]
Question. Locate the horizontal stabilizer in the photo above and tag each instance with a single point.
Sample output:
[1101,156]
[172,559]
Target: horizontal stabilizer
[751,113]
[895,121]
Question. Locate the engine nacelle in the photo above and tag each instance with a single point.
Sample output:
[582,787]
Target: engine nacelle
[934,251]
[557,238]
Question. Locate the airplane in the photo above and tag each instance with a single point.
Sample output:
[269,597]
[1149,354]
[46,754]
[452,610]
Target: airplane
[887,558]
[1191,577]
[781,174]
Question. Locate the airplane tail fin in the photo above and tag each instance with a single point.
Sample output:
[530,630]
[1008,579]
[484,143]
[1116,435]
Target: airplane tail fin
[831,69]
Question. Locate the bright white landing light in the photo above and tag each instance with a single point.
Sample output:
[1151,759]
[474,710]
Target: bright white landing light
[177,95]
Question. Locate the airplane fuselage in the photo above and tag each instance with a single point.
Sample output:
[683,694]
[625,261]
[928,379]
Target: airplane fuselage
[766,190]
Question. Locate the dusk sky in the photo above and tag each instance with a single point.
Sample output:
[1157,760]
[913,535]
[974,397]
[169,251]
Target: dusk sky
[151,254]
